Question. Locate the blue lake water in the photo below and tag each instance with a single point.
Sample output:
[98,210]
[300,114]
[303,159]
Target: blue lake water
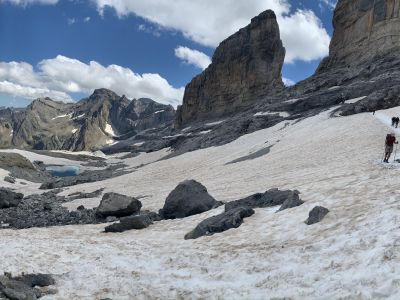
[64,171]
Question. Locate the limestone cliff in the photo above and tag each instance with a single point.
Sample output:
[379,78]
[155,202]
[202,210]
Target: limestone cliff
[363,29]
[245,67]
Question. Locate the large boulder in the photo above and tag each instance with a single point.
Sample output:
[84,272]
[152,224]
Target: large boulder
[316,215]
[270,198]
[9,198]
[118,205]
[188,198]
[245,67]
[222,222]
[129,223]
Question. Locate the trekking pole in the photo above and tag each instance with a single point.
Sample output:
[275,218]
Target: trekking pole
[395,152]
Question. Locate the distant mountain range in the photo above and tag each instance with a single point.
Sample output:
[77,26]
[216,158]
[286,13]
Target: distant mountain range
[99,120]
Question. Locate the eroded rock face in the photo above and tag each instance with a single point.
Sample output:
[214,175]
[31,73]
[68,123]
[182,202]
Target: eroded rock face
[363,29]
[245,67]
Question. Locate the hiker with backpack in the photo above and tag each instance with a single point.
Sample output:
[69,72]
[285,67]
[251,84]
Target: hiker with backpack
[390,140]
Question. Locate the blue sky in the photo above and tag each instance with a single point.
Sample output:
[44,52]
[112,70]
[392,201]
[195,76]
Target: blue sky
[46,46]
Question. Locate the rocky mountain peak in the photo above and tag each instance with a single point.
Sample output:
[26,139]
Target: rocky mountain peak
[245,67]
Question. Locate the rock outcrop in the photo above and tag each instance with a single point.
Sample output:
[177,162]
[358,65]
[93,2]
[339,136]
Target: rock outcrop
[363,30]
[25,287]
[9,198]
[245,68]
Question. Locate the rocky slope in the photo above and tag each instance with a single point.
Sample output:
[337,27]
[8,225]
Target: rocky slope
[245,67]
[101,119]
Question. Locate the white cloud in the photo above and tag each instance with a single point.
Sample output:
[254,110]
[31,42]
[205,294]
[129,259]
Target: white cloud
[71,21]
[30,2]
[331,4]
[208,22]
[60,76]
[288,82]
[193,57]
[28,92]
[87,19]
[305,37]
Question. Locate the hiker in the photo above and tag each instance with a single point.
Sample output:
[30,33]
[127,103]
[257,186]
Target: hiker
[390,140]
[397,121]
[393,121]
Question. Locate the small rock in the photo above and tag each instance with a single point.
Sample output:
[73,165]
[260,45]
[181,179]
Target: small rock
[118,205]
[80,207]
[222,222]
[128,223]
[9,179]
[111,219]
[316,215]
[292,201]
[152,215]
[188,198]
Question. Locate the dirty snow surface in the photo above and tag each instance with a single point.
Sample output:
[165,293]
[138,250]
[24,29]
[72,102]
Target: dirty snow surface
[334,162]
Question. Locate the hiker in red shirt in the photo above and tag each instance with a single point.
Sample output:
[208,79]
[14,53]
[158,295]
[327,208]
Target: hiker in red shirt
[390,140]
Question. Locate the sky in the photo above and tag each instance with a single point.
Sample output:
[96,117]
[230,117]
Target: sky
[64,49]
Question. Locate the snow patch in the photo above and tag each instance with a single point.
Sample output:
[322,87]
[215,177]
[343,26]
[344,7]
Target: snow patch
[283,114]
[354,100]
[78,117]
[74,130]
[215,123]
[62,116]
[109,129]
[205,131]
[159,111]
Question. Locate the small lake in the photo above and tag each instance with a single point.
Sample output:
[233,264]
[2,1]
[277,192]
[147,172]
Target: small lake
[64,171]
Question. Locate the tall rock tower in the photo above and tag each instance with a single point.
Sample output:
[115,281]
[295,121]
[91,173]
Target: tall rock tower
[245,67]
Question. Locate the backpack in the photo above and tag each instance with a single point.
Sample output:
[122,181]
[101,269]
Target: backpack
[390,139]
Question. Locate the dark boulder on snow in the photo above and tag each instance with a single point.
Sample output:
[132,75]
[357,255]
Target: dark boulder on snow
[270,198]
[24,287]
[316,215]
[222,222]
[128,223]
[118,205]
[188,198]
[9,198]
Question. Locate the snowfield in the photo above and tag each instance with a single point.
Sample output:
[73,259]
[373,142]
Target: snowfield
[334,162]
